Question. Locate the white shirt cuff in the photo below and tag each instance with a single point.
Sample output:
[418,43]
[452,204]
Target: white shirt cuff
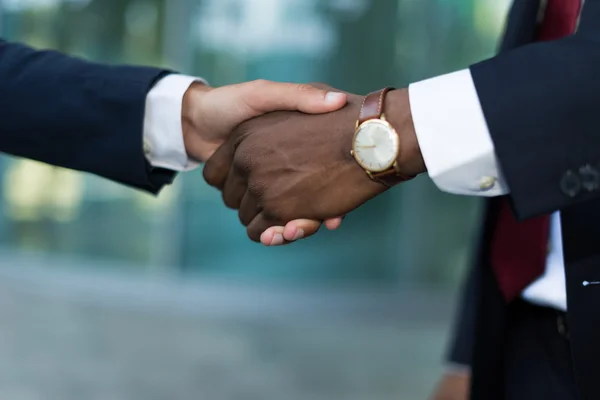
[453,135]
[163,133]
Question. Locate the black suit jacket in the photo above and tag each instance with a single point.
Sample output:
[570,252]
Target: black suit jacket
[542,105]
[77,114]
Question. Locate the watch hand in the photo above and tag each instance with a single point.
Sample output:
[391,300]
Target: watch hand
[367,147]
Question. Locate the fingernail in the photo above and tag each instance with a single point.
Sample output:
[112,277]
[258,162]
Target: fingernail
[299,234]
[277,239]
[334,97]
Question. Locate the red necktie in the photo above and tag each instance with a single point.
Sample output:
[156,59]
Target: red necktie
[519,249]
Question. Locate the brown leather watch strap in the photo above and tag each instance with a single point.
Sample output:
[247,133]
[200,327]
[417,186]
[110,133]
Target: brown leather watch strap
[372,107]
[391,177]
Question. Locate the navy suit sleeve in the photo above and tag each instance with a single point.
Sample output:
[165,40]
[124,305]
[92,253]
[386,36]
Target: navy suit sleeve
[77,114]
[542,106]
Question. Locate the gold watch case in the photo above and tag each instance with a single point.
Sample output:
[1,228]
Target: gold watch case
[378,122]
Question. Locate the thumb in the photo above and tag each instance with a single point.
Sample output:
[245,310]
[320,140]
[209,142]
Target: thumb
[266,96]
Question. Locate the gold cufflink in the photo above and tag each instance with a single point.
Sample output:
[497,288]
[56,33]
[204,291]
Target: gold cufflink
[487,182]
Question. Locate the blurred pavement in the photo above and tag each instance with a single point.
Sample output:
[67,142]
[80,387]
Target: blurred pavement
[71,333]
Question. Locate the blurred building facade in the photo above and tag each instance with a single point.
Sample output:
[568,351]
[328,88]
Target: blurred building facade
[413,240]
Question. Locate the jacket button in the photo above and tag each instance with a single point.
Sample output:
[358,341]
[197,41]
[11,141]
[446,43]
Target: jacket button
[590,178]
[570,184]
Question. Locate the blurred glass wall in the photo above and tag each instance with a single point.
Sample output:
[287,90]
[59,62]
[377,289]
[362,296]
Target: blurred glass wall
[399,257]
[356,45]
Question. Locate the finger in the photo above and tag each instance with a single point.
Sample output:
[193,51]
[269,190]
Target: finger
[293,231]
[273,236]
[260,224]
[265,96]
[234,189]
[249,209]
[300,229]
[326,87]
[216,169]
[334,223]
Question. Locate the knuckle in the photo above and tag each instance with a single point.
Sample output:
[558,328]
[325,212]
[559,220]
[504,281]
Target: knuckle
[306,88]
[274,212]
[319,85]
[259,82]
[255,99]
[241,135]
[270,202]
[242,163]
[257,191]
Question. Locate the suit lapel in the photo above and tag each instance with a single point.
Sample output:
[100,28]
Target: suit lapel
[522,23]
[492,313]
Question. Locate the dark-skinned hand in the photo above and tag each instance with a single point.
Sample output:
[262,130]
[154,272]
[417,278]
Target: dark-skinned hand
[289,165]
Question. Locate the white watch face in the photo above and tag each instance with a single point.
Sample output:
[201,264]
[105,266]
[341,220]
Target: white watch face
[376,145]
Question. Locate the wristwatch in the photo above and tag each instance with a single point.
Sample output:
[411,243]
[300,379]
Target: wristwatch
[376,144]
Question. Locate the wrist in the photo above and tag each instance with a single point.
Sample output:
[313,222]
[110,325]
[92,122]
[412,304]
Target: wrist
[398,113]
[191,118]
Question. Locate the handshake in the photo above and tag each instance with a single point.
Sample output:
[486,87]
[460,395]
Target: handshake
[291,157]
